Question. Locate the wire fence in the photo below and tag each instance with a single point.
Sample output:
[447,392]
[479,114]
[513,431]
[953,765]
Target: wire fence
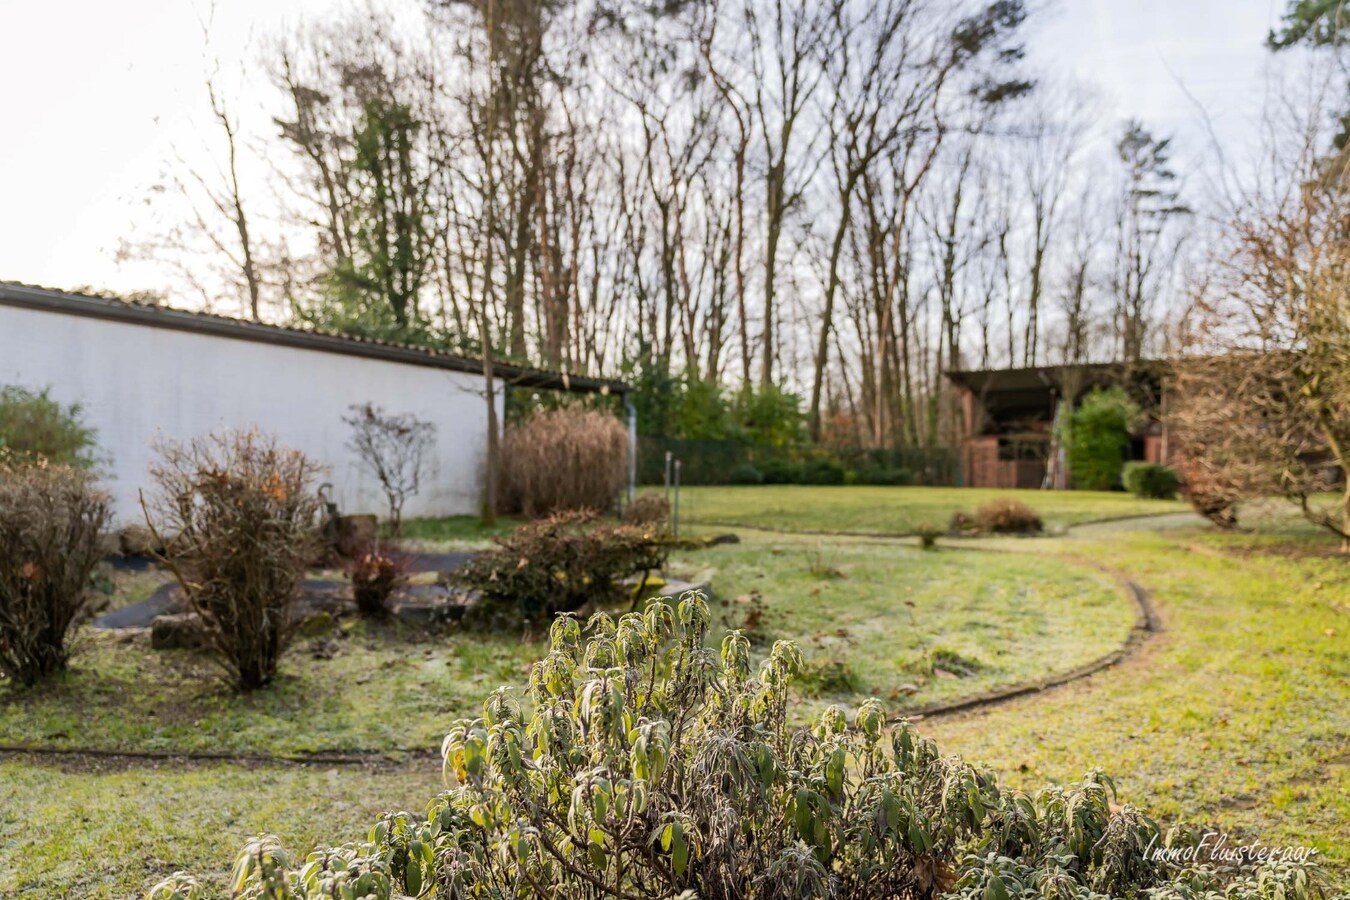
[718,462]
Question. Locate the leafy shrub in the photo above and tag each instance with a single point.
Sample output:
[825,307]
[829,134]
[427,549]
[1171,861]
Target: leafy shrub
[781,471]
[746,473]
[650,767]
[1149,481]
[885,476]
[928,535]
[563,460]
[560,563]
[650,510]
[33,425]
[375,575]
[242,511]
[50,520]
[823,471]
[1098,437]
[1005,515]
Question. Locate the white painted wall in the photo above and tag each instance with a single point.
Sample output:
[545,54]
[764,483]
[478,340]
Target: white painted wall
[138,384]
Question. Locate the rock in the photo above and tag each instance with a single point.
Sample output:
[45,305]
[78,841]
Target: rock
[137,540]
[355,534]
[177,631]
[434,605]
[109,544]
[316,624]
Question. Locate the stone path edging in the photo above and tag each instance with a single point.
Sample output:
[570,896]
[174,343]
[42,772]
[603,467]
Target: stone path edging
[368,758]
[1146,625]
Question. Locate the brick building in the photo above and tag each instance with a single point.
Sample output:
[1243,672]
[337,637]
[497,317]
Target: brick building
[1010,417]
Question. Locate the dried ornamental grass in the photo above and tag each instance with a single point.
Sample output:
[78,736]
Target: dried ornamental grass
[562,460]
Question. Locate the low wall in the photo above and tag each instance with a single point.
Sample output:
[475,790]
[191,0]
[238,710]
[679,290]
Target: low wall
[138,384]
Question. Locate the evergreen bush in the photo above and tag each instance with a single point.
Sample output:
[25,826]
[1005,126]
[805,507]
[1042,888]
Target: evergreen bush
[650,765]
[34,426]
[1099,437]
[822,471]
[781,471]
[1149,481]
[746,473]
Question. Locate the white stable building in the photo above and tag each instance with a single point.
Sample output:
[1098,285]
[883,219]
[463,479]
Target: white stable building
[143,373]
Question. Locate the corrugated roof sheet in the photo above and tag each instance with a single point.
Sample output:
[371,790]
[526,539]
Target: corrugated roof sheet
[28,296]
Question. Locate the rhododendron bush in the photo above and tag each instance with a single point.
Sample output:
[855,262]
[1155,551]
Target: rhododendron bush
[644,763]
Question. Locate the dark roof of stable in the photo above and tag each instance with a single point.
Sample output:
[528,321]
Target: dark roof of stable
[151,315]
[1034,378]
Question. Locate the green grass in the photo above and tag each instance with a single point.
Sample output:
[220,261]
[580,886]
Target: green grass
[383,688]
[84,831]
[872,615]
[892,510]
[883,610]
[457,529]
[1237,717]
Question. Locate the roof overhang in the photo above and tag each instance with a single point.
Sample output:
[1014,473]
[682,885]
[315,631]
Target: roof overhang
[1040,378]
[153,316]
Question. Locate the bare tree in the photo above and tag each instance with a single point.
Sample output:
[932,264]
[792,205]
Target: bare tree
[393,447]
[1263,390]
[216,251]
[1147,243]
[783,39]
[1054,133]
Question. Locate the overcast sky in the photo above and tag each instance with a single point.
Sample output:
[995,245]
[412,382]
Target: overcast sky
[96,98]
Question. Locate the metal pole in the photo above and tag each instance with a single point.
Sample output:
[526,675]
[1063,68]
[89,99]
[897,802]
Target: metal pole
[675,512]
[669,455]
[632,449]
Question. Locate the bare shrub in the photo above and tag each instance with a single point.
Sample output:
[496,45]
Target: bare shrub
[560,563]
[50,520]
[1261,399]
[243,510]
[651,510]
[1005,515]
[1211,493]
[393,447]
[563,459]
